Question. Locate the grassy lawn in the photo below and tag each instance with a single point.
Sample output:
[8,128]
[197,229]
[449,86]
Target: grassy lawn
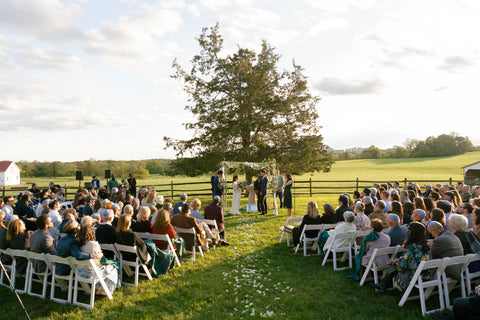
[255,277]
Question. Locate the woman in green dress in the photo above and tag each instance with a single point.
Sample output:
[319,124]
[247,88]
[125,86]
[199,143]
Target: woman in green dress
[287,194]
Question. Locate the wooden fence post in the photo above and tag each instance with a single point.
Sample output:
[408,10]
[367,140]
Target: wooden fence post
[310,187]
[450,181]
[171,187]
[405,181]
[3,191]
[66,192]
[357,184]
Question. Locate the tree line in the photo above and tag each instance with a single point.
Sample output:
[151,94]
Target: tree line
[140,168]
[443,145]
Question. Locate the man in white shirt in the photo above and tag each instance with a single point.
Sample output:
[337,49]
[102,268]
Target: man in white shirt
[8,207]
[56,218]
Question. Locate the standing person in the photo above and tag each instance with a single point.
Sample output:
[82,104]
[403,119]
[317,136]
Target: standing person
[96,183]
[132,185]
[112,183]
[256,188]
[263,192]
[287,195]
[237,195]
[217,184]
[279,191]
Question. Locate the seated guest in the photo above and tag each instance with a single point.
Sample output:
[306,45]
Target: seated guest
[459,225]
[386,199]
[398,210]
[26,211]
[476,222]
[162,225]
[446,206]
[381,241]
[183,220]
[362,222]
[215,212]
[69,214]
[329,216]
[7,208]
[404,267]
[407,212]
[178,205]
[129,238]
[56,218]
[398,234]
[4,243]
[343,202]
[429,206]
[467,308]
[87,243]
[445,244]
[439,216]
[378,213]
[166,206]
[347,226]
[196,205]
[68,247]
[418,215]
[143,223]
[106,232]
[41,241]
[311,217]
[19,238]
[367,201]
[466,210]
[88,209]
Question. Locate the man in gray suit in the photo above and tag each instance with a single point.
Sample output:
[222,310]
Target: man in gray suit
[41,241]
[445,244]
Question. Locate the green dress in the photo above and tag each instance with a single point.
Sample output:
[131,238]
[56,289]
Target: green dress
[287,197]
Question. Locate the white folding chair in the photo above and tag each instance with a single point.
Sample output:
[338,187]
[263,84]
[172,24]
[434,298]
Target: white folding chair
[52,260]
[9,268]
[471,275]
[449,283]
[287,228]
[359,236]
[137,264]
[170,248]
[304,239]
[143,235]
[42,275]
[110,248]
[425,288]
[95,278]
[349,239]
[192,232]
[16,255]
[212,224]
[372,265]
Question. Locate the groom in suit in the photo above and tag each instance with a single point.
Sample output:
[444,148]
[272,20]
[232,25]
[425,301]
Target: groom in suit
[263,192]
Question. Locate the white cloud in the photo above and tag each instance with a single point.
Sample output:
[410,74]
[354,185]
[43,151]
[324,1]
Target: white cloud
[337,86]
[455,64]
[47,20]
[136,38]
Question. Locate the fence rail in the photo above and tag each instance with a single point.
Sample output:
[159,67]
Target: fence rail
[301,187]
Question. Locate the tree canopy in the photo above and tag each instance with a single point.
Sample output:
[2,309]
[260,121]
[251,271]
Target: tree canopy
[247,110]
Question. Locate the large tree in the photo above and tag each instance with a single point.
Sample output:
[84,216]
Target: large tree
[247,110]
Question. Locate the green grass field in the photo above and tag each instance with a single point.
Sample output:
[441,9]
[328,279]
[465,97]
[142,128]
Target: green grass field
[256,277]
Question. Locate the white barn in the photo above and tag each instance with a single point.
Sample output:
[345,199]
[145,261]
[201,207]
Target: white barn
[9,173]
[471,173]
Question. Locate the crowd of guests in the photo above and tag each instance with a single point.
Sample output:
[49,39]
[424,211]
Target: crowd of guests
[37,222]
[437,222]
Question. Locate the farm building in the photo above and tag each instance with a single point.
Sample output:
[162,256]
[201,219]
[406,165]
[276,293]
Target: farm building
[471,173]
[9,173]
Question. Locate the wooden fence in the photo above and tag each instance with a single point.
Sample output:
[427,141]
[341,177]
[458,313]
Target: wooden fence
[203,188]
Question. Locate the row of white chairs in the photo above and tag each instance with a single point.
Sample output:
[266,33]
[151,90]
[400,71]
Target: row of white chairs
[68,282]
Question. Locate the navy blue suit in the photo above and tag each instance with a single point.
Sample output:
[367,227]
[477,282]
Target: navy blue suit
[262,200]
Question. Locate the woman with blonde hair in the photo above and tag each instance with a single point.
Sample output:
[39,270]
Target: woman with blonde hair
[195,212]
[311,216]
[143,221]
[129,238]
[19,239]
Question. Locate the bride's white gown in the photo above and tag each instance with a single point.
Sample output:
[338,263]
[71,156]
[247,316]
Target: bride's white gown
[237,195]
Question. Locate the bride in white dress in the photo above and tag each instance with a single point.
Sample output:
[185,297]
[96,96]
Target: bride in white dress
[237,195]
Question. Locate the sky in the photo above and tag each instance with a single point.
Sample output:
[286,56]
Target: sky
[85,79]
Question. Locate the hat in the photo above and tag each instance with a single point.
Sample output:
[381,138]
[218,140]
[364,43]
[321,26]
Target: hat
[428,185]
[216,198]
[421,212]
[93,176]
[115,189]
[394,217]
[61,189]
